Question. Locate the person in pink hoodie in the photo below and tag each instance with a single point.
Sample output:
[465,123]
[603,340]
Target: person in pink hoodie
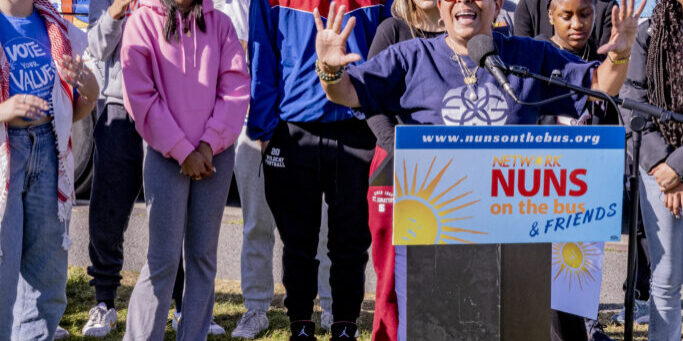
[185,84]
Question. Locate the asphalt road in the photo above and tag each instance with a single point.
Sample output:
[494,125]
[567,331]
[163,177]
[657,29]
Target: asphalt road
[229,246]
[136,240]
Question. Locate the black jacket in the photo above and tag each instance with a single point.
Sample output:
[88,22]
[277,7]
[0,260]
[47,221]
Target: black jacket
[654,148]
[531,19]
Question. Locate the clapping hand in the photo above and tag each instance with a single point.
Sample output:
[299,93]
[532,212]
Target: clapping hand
[79,77]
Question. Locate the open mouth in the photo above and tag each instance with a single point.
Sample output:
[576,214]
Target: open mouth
[466,16]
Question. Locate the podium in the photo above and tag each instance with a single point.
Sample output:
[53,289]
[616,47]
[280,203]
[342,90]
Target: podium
[478,206]
[478,292]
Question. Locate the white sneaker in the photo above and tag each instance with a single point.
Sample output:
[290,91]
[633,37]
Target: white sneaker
[101,321]
[175,320]
[214,328]
[641,313]
[61,334]
[251,323]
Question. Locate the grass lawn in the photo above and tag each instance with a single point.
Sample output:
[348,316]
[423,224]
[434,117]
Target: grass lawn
[228,309]
[617,332]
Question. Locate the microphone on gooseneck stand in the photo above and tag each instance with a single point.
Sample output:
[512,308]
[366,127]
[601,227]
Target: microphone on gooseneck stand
[482,50]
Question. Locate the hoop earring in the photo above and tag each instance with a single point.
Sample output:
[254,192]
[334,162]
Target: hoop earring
[440,22]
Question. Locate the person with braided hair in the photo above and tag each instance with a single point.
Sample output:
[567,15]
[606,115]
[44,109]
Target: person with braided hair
[655,76]
[185,83]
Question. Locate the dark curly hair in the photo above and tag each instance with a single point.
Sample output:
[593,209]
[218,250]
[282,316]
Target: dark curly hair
[171,25]
[665,66]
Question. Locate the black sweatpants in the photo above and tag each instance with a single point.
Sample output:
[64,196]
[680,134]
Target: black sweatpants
[116,185]
[117,182]
[303,162]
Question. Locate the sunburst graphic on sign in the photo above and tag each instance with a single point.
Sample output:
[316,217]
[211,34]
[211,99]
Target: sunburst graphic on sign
[575,262]
[423,216]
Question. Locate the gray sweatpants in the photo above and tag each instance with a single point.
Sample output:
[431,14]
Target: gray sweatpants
[258,236]
[186,214]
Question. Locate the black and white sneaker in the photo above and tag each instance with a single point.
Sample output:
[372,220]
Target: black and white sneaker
[302,331]
[344,331]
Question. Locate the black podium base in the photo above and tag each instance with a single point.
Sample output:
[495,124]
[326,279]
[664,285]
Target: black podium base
[478,292]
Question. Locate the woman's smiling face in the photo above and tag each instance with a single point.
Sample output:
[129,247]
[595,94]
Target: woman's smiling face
[466,18]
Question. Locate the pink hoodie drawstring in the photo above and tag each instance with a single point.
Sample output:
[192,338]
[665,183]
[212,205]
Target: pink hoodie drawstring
[182,45]
[194,35]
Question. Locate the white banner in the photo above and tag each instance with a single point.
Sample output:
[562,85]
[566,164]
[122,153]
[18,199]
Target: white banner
[576,276]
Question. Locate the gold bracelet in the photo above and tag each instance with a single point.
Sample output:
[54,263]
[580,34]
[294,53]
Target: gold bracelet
[618,61]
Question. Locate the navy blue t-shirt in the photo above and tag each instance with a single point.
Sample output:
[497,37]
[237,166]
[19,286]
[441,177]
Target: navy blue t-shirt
[420,80]
[27,47]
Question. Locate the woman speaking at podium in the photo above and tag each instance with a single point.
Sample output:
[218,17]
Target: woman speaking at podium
[433,81]
[415,79]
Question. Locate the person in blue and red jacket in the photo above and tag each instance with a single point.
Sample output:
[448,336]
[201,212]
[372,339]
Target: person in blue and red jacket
[312,148]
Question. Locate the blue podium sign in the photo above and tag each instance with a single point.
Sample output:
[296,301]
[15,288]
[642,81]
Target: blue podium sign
[507,184]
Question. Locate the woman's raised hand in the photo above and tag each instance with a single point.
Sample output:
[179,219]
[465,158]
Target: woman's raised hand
[330,42]
[624,28]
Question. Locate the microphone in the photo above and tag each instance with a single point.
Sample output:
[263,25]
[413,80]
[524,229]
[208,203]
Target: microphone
[483,51]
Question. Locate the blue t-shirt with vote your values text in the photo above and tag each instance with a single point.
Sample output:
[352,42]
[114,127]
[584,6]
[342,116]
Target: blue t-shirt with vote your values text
[421,81]
[27,48]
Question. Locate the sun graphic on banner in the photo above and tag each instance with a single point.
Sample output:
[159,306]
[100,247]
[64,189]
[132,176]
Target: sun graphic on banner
[575,262]
[422,217]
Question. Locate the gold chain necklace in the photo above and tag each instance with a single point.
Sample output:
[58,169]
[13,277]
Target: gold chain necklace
[584,55]
[470,77]
[586,52]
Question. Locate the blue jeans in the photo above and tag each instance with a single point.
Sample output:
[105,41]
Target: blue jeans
[665,241]
[34,264]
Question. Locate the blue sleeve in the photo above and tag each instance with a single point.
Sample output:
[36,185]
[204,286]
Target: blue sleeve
[387,9]
[380,82]
[264,68]
[575,71]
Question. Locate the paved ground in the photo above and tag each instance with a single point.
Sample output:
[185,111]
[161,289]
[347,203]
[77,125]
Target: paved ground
[136,240]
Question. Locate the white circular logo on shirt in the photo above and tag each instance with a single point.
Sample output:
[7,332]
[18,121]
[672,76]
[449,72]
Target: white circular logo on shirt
[489,108]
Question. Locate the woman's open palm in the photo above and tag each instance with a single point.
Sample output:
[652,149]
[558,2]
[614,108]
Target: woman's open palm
[330,41]
[624,27]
